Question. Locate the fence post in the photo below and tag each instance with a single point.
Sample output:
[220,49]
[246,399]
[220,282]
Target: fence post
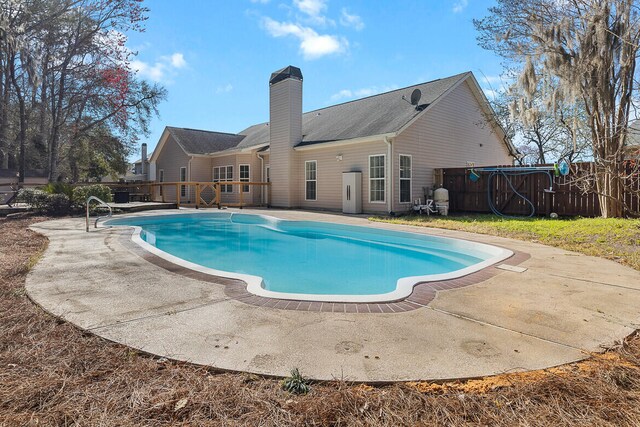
[178,194]
[217,186]
[197,195]
[241,193]
[269,195]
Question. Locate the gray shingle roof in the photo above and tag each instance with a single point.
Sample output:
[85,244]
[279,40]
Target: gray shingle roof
[194,141]
[374,115]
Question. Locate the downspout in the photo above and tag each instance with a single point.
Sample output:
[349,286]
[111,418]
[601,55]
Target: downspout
[261,176]
[189,179]
[387,141]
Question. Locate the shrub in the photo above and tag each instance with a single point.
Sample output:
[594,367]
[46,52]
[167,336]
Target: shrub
[57,204]
[81,194]
[59,188]
[41,201]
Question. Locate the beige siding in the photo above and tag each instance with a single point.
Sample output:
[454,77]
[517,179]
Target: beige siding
[355,157]
[254,195]
[285,127]
[450,134]
[171,159]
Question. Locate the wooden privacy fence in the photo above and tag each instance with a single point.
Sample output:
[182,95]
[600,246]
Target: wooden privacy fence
[567,198]
[212,194]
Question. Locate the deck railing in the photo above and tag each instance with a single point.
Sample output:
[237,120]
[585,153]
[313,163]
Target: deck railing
[212,194]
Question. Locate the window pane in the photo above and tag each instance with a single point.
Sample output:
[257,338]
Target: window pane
[377,190]
[244,177]
[405,167]
[310,170]
[311,190]
[405,191]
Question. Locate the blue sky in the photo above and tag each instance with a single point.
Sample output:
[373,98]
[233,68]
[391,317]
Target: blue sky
[215,57]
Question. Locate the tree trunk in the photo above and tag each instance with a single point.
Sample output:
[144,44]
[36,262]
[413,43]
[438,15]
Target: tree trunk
[22,134]
[610,189]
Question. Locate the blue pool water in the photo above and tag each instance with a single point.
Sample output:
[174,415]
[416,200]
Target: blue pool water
[305,257]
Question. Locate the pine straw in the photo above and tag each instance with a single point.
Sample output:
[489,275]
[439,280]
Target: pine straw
[53,374]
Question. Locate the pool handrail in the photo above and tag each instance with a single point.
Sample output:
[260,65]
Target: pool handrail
[102,203]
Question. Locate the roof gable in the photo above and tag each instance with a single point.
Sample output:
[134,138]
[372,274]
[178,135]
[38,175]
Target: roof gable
[194,141]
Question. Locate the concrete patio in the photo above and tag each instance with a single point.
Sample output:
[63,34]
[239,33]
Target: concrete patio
[562,308]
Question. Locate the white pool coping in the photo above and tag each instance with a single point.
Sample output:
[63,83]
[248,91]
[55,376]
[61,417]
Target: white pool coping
[255,284]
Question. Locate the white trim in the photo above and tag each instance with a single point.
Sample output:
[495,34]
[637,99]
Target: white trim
[340,143]
[384,200]
[240,177]
[410,179]
[306,197]
[404,285]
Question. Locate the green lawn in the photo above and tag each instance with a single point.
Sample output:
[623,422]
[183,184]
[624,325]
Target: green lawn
[616,239]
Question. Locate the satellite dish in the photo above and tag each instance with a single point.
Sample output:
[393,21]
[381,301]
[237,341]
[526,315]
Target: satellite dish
[415,96]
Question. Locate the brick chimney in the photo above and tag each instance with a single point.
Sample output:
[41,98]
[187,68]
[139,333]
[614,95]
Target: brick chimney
[285,132]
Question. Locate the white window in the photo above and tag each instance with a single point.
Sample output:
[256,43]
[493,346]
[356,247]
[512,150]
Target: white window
[223,174]
[377,172]
[405,178]
[183,178]
[310,179]
[161,179]
[245,174]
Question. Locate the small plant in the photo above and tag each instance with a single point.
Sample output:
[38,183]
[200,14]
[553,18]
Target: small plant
[59,188]
[296,383]
[82,193]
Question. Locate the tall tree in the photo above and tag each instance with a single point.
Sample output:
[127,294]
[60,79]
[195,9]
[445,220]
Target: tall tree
[67,71]
[590,48]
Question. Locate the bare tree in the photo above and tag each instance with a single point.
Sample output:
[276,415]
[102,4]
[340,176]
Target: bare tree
[590,48]
[65,71]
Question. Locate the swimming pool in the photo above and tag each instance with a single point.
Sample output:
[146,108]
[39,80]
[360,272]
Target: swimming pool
[304,260]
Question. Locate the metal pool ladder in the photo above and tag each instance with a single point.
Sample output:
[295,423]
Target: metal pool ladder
[102,203]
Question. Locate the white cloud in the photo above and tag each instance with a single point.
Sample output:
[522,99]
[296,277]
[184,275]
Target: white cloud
[490,93]
[312,44]
[460,5]
[177,60]
[161,69]
[362,92]
[351,21]
[224,88]
[311,7]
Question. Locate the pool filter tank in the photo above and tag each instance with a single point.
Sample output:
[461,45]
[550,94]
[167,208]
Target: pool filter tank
[441,199]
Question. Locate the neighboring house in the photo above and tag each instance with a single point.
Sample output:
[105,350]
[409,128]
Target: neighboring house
[32,177]
[632,149]
[395,145]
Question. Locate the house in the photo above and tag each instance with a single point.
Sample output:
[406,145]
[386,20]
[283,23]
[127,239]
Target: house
[632,148]
[395,140]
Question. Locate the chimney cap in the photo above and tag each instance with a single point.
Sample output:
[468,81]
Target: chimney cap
[285,73]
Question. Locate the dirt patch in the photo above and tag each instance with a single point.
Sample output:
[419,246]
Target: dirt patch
[53,374]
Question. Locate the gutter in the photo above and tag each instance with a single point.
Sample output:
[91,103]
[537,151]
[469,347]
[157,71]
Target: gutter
[342,142]
[261,176]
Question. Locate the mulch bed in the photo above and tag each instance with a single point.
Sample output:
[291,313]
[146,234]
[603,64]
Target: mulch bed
[54,374]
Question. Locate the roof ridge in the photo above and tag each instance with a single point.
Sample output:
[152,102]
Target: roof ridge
[389,91]
[207,131]
[370,96]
